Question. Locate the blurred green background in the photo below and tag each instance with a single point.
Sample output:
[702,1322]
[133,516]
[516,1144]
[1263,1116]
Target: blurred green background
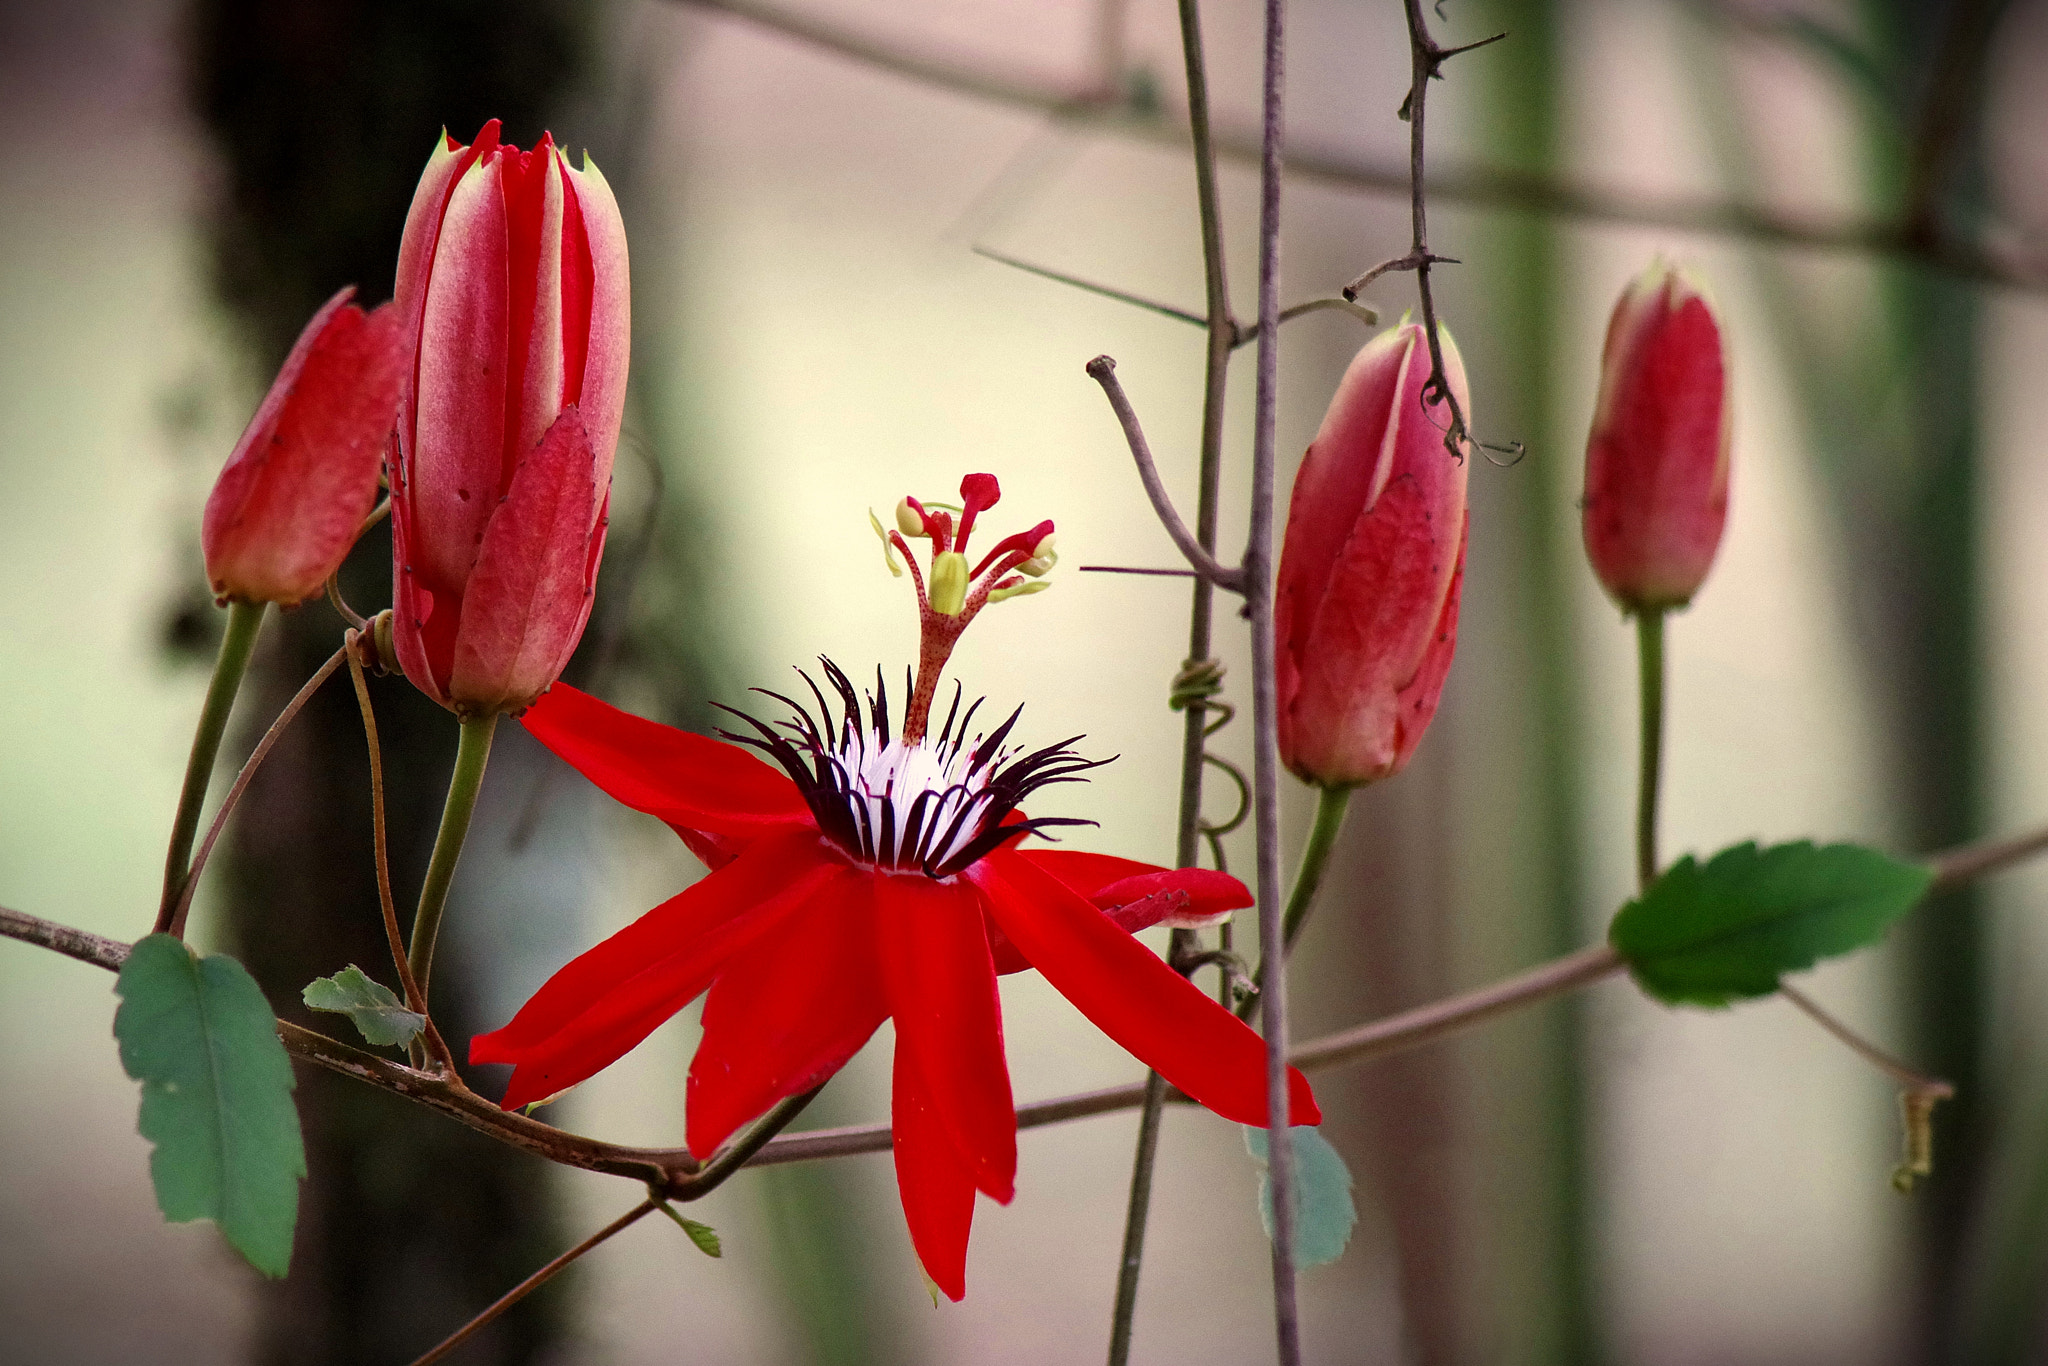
[1594,1180]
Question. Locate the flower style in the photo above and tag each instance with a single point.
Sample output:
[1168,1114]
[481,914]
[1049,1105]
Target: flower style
[1366,604]
[1657,456]
[286,508]
[867,873]
[512,284]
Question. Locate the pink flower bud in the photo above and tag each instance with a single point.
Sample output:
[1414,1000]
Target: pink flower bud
[284,512]
[1657,457]
[512,282]
[1366,612]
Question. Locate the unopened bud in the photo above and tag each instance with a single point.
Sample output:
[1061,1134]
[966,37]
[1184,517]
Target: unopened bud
[1657,457]
[949,583]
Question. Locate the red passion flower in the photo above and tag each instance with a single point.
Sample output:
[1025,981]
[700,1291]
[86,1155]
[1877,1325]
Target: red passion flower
[868,873]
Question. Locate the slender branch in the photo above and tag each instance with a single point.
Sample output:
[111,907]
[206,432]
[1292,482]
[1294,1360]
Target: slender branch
[1189,827]
[1412,261]
[415,999]
[535,1281]
[1957,867]
[1650,670]
[1238,336]
[245,620]
[376,515]
[1481,187]
[1137,1214]
[1258,595]
[1918,1092]
[356,620]
[471,756]
[83,945]
[1906,1077]
[1247,335]
[1132,569]
[678,1174]
[1103,371]
[183,907]
[1106,291]
[1425,60]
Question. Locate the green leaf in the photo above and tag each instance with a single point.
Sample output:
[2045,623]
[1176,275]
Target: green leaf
[1708,934]
[703,1235]
[1322,1185]
[216,1096]
[379,1015]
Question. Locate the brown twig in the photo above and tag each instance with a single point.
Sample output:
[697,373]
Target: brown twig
[680,1177]
[1103,371]
[415,1000]
[1482,187]
[1121,296]
[1918,1092]
[535,1281]
[1426,59]
[183,906]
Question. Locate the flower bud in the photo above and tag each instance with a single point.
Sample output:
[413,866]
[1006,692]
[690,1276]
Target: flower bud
[286,508]
[1657,458]
[1366,605]
[512,284]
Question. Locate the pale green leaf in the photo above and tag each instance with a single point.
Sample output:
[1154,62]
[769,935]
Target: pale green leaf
[376,1011]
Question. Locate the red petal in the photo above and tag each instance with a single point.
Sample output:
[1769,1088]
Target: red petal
[456,464]
[607,302]
[689,781]
[284,513]
[533,320]
[1135,896]
[1120,885]
[935,1187]
[595,1009]
[941,987]
[1131,995]
[527,599]
[785,1014]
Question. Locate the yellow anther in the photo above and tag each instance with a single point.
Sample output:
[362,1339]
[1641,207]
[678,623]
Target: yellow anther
[888,550]
[1021,590]
[949,583]
[907,520]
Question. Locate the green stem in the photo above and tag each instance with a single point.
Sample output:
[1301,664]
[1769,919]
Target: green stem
[471,755]
[245,619]
[1650,656]
[1331,803]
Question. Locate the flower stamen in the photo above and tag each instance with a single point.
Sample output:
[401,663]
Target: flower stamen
[933,806]
[951,596]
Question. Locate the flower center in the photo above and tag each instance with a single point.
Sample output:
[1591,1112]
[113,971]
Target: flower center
[929,805]
[955,593]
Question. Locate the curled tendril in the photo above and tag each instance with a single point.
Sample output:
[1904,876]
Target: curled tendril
[1200,684]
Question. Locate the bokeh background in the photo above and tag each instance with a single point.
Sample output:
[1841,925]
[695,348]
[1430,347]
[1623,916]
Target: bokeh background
[1594,1180]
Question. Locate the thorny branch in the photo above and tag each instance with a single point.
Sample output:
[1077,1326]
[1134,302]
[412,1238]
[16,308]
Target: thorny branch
[679,1176]
[1426,59]
[1998,256]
